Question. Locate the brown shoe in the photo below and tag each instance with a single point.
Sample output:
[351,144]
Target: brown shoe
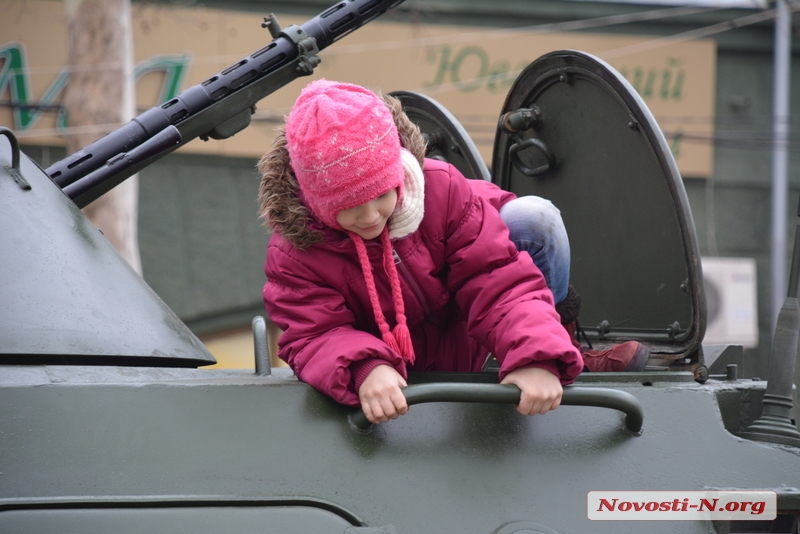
[630,356]
[625,357]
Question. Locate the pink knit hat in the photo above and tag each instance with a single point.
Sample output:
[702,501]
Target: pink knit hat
[344,147]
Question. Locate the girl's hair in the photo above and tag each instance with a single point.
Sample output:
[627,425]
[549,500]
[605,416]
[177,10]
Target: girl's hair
[280,205]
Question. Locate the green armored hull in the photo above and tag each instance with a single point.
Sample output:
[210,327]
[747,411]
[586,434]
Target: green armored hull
[174,450]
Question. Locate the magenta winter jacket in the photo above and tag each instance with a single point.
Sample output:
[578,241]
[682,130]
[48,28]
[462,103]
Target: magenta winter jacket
[467,292]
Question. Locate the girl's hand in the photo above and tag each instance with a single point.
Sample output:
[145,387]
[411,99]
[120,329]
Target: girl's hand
[541,390]
[380,394]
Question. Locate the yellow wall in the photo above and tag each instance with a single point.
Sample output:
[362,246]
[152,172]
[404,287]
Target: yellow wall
[235,350]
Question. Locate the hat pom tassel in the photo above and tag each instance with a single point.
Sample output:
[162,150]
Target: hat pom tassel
[402,338]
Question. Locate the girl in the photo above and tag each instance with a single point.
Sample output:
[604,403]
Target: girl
[382,261]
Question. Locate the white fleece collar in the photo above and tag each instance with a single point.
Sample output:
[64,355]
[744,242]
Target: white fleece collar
[407,217]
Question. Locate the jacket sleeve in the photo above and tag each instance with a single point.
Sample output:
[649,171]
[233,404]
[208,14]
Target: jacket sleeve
[319,341]
[510,309]
[496,196]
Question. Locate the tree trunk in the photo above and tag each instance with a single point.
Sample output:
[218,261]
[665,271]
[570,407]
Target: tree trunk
[99,97]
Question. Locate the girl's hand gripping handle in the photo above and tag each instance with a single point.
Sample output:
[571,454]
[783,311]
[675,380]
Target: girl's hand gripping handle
[541,390]
[381,396]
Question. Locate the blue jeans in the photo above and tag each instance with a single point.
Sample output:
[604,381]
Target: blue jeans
[536,228]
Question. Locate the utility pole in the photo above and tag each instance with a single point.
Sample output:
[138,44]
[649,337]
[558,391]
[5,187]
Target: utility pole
[99,97]
[780,154]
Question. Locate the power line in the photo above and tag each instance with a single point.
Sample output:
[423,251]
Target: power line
[496,33]
[691,35]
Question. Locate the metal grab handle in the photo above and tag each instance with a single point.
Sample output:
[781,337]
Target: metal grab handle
[14,170]
[14,146]
[510,394]
[516,148]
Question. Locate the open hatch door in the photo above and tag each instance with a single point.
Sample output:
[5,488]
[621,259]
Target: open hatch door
[574,131]
[446,139]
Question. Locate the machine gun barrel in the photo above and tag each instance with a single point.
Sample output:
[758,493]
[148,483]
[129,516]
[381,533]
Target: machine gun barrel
[162,141]
[217,108]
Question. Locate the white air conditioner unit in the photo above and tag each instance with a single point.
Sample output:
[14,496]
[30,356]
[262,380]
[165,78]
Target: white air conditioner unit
[731,299]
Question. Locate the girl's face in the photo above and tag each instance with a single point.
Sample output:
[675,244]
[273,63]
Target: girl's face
[368,219]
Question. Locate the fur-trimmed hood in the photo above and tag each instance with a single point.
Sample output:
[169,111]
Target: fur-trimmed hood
[280,200]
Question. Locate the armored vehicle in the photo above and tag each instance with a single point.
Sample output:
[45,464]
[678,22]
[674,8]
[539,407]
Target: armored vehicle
[108,423]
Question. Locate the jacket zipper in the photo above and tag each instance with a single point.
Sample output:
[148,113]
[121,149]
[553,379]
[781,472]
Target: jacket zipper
[412,282]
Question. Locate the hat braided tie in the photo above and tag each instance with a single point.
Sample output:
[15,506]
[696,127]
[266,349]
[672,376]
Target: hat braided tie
[398,340]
